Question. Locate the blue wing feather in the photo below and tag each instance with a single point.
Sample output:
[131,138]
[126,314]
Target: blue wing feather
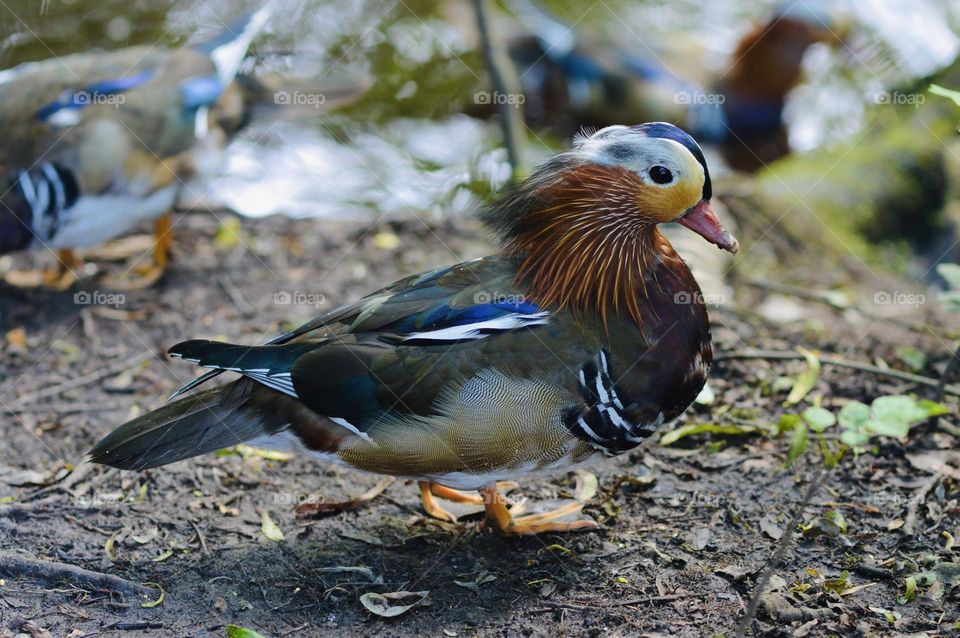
[90,94]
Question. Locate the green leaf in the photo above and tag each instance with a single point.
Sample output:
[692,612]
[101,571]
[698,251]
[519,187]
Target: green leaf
[944,92]
[897,408]
[909,590]
[806,379]
[915,358]
[798,443]
[228,235]
[786,423]
[896,429]
[853,415]
[235,631]
[854,438]
[819,419]
[933,408]
[831,456]
[836,517]
[706,428]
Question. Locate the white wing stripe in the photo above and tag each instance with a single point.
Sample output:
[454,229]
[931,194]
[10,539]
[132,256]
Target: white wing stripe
[54,179]
[473,330]
[350,426]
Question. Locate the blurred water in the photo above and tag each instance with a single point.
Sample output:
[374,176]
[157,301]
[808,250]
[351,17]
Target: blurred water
[405,148]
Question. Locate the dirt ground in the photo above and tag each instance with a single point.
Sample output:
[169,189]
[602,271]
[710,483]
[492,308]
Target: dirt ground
[686,529]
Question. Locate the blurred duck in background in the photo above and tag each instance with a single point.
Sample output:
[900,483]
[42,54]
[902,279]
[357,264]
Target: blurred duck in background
[570,82]
[99,142]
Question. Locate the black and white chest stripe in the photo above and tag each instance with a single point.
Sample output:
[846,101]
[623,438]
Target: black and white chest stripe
[47,190]
[605,423]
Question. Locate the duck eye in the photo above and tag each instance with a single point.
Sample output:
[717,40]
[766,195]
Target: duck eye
[661,175]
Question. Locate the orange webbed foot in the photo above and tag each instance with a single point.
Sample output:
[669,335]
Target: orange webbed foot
[505,520]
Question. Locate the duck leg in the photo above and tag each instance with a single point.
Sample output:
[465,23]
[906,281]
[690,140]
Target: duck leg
[429,490]
[499,515]
[151,274]
[60,276]
[430,505]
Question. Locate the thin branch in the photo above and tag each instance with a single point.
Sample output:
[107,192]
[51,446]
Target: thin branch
[774,561]
[505,84]
[832,360]
[948,373]
[53,390]
[17,566]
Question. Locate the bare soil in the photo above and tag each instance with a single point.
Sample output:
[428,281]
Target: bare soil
[686,530]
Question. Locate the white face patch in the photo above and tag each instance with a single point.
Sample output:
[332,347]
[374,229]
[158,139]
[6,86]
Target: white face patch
[621,146]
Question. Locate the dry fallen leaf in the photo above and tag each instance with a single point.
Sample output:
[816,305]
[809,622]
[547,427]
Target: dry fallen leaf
[334,507]
[269,528]
[586,487]
[946,462]
[385,241]
[17,338]
[382,604]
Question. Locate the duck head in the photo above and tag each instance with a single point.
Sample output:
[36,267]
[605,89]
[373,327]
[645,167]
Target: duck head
[584,224]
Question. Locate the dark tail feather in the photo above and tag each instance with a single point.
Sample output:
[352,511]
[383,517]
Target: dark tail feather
[200,423]
[239,358]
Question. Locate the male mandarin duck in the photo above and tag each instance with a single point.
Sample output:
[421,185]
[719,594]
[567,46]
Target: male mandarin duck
[100,142]
[578,340]
[569,82]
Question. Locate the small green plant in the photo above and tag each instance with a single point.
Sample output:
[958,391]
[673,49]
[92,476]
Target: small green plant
[859,423]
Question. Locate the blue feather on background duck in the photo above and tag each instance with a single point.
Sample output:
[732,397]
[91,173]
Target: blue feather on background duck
[99,142]
[578,340]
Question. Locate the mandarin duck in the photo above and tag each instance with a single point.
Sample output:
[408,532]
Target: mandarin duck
[576,341]
[570,82]
[100,142]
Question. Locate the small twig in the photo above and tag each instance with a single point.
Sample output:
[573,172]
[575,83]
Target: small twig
[200,538]
[774,561]
[948,373]
[498,64]
[322,509]
[236,295]
[61,408]
[587,606]
[831,360]
[79,473]
[16,566]
[910,520]
[23,403]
